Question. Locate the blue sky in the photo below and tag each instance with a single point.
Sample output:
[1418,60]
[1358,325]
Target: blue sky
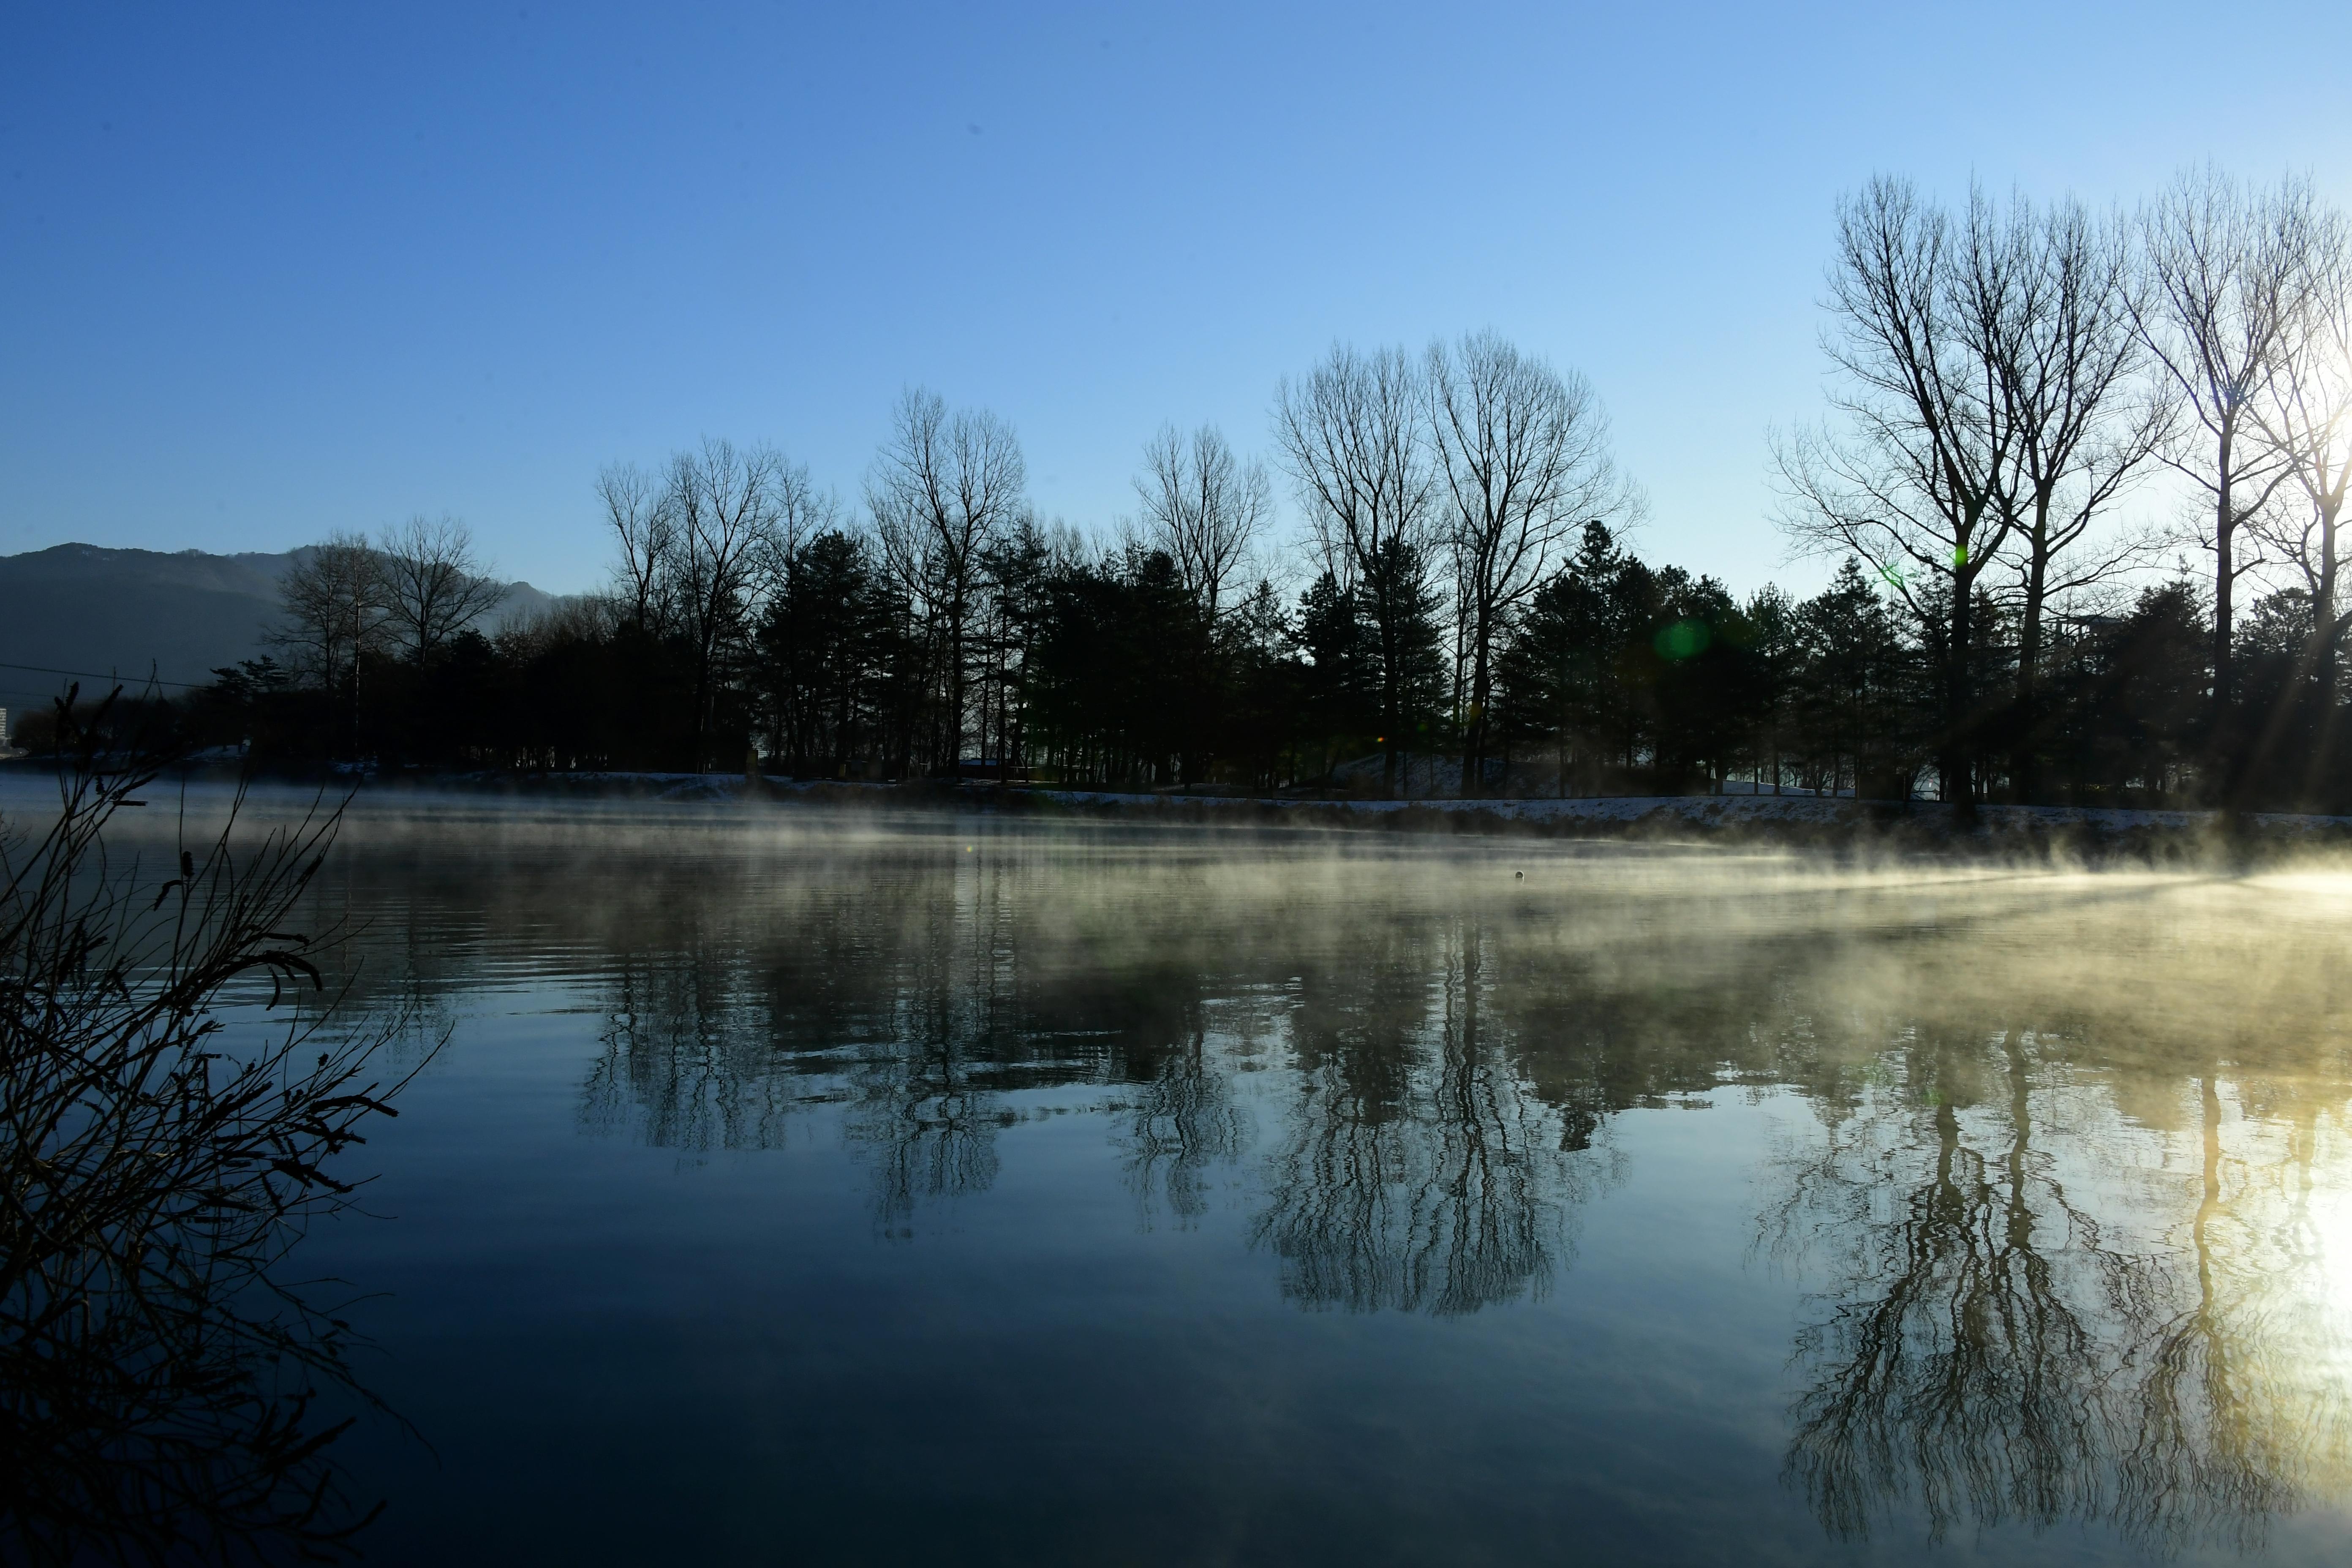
[269,272]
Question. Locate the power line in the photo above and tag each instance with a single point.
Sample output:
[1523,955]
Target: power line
[93,675]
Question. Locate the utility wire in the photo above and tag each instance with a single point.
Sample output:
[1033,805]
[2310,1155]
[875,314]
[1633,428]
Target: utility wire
[93,675]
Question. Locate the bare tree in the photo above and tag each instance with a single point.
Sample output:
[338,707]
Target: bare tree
[435,586]
[2224,261]
[637,510]
[943,489]
[1523,460]
[332,599]
[801,512]
[2065,360]
[728,509]
[1352,433]
[1917,477]
[2305,416]
[564,619]
[1204,508]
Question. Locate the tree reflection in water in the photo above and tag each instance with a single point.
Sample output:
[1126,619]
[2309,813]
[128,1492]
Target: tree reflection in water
[1185,1119]
[2062,1219]
[1419,1165]
[1420,1171]
[2005,1351]
[684,1057]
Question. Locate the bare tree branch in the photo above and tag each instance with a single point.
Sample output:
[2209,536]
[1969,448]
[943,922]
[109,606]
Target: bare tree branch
[1523,461]
[1352,432]
[943,489]
[2225,262]
[434,585]
[637,510]
[1916,476]
[1204,507]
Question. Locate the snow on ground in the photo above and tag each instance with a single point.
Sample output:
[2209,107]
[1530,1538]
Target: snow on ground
[1701,812]
[1735,810]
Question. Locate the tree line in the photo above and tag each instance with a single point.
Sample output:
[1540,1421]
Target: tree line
[1461,610]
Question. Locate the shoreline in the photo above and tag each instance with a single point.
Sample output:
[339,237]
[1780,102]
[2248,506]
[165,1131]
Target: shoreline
[1837,825]
[1788,821]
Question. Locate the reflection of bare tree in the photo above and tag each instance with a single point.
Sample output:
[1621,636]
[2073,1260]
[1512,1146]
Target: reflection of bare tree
[1965,1363]
[1183,1120]
[685,1057]
[926,1106]
[916,999]
[925,1109]
[1994,1351]
[1421,1172]
[2229,1422]
[931,1124]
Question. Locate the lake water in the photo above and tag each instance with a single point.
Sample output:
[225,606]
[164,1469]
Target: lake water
[797,1188]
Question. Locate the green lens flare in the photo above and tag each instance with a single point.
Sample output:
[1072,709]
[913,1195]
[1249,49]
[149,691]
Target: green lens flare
[1683,639]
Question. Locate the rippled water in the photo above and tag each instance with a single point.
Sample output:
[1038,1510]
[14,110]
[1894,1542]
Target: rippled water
[798,1188]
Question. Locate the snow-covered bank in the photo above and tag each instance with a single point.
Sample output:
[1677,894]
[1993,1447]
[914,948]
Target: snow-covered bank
[1797,818]
[1791,820]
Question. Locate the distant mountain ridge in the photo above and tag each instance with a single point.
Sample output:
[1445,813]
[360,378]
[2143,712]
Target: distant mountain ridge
[125,613]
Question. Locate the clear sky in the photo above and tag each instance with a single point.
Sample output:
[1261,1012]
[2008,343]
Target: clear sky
[272,272]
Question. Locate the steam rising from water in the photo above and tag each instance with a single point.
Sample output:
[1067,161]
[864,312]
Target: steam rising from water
[2063,1165]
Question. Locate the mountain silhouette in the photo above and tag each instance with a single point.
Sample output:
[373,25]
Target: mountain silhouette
[128,613]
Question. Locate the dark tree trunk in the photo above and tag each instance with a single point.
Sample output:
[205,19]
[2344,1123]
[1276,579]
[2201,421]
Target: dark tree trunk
[1952,751]
[2025,754]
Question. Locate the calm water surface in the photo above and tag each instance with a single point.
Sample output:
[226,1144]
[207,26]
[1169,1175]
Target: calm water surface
[853,1190]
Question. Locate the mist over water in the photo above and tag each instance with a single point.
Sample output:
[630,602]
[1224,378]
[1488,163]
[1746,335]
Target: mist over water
[809,1187]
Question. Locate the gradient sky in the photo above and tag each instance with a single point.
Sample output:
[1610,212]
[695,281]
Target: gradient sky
[273,271]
